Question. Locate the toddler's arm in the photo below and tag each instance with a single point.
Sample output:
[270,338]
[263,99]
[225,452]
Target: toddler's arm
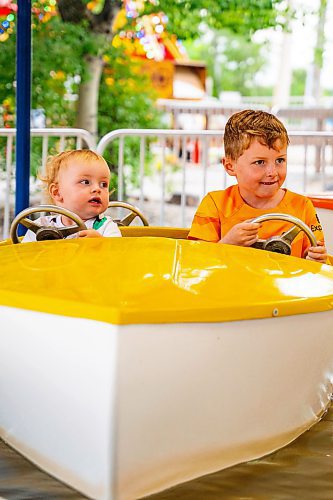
[109,229]
[89,233]
[243,234]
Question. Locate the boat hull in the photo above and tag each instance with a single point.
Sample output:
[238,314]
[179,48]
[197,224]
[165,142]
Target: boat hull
[123,411]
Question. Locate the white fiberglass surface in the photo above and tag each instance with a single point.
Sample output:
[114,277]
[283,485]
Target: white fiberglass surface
[181,409]
[57,394]
[122,412]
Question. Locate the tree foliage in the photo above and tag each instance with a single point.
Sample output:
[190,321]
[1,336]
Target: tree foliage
[240,16]
[62,45]
[232,61]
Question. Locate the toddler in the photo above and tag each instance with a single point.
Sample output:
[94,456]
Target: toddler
[79,181]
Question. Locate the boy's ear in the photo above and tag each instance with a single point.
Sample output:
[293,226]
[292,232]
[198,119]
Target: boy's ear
[54,192]
[229,165]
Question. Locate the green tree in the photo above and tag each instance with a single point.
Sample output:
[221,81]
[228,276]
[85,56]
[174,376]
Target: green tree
[240,16]
[185,16]
[232,60]
[298,82]
[126,101]
[58,69]
[72,49]
[7,80]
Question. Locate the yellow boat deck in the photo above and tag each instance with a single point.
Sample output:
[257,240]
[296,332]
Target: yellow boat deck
[160,280]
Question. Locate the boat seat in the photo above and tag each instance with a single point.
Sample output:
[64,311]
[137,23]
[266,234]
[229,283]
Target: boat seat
[178,233]
[164,232]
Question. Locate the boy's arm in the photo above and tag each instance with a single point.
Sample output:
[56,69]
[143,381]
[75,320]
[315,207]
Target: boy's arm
[206,226]
[206,223]
[243,234]
[89,233]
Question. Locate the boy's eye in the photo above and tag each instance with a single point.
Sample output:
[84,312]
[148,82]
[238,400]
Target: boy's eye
[104,185]
[280,161]
[259,162]
[85,181]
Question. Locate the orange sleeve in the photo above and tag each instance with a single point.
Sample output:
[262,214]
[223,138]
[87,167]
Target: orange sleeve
[206,223]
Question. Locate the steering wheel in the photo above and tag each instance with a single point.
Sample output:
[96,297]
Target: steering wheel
[46,232]
[134,212]
[282,243]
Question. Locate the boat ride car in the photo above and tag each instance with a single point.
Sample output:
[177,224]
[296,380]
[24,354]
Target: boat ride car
[129,365]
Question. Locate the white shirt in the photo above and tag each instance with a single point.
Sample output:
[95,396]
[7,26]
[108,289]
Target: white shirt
[107,228]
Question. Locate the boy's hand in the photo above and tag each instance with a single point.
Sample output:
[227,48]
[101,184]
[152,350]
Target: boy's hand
[318,253]
[243,234]
[89,233]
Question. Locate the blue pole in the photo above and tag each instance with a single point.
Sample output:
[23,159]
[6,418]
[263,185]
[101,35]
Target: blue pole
[23,103]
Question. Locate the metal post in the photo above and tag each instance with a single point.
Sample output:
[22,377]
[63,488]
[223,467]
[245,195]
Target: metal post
[23,103]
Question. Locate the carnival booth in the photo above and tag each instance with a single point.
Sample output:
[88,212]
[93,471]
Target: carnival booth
[162,55]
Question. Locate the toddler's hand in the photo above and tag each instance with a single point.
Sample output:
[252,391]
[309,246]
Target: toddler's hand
[89,233]
[318,253]
[243,234]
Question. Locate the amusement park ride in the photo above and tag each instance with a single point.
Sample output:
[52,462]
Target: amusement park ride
[132,364]
[139,373]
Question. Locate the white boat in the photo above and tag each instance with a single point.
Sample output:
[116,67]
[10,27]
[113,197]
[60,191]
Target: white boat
[131,365]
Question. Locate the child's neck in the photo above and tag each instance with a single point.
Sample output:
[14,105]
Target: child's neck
[264,203]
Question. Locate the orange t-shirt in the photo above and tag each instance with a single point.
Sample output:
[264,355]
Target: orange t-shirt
[219,211]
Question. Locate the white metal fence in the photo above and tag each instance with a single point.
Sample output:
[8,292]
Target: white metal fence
[213,114]
[187,164]
[165,161]
[51,140]
[167,172]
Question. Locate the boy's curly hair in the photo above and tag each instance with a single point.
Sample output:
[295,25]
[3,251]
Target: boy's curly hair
[55,163]
[245,126]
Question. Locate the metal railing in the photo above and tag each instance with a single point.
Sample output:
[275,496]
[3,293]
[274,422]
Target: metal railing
[77,138]
[199,169]
[173,169]
[212,112]
[186,147]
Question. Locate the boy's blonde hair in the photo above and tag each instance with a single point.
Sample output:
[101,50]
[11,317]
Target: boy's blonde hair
[245,126]
[60,161]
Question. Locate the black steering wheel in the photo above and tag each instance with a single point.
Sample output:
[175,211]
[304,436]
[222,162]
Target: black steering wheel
[134,212]
[282,243]
[46,232]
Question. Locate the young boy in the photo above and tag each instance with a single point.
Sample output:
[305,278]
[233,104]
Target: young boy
[79,181]
[255,144]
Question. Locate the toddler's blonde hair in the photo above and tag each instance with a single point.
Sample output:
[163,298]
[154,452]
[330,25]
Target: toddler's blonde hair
[245,126]
[60,161]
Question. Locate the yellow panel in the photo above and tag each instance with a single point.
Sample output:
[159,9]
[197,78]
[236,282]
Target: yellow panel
[160,280]
[165,232]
